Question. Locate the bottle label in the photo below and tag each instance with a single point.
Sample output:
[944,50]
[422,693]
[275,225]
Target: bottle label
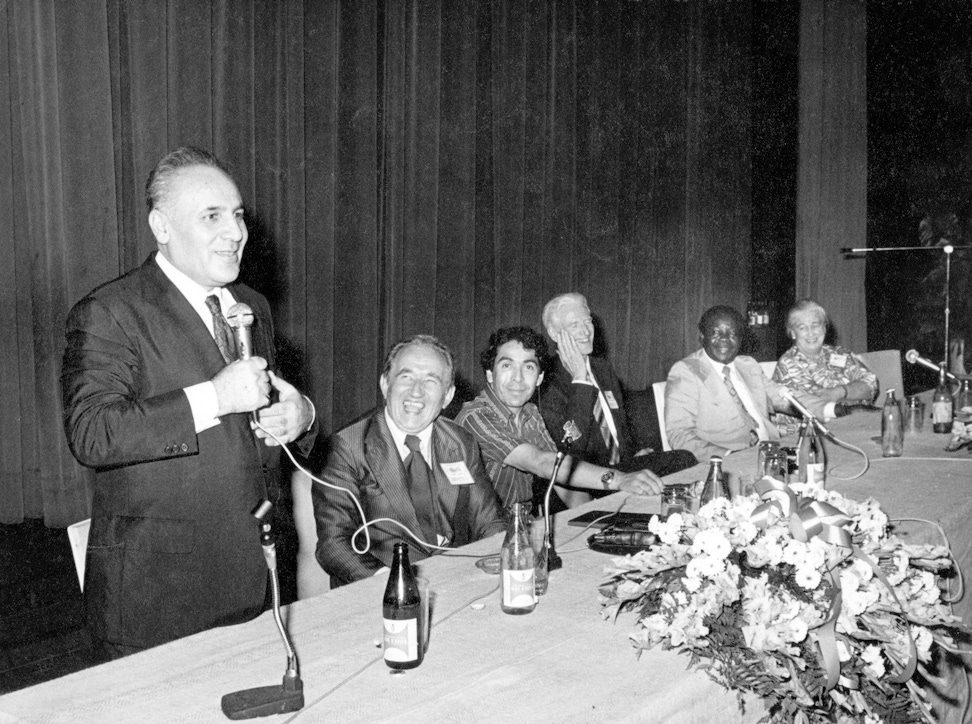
[815,474]
[401,639]
[519,590]
[941,412]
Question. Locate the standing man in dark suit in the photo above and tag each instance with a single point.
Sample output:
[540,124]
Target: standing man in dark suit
[584,393]
[403,461]
[157,403]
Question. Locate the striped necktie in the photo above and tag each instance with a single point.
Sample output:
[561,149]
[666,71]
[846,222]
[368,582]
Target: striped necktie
[727,377]
[221,330]
[600,417]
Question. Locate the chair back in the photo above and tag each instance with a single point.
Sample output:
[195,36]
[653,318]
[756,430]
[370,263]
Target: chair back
[886,364]
[658,390]
[768,368]
[78,538]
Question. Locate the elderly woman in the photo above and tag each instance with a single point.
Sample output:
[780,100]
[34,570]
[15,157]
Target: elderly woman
[831,373]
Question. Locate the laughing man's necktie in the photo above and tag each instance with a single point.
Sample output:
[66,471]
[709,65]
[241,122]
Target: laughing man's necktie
[420,488]
[221,330]
[727,377]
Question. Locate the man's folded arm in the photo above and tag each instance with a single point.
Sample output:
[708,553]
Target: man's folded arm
[105,422]
[682,413]
[338,517]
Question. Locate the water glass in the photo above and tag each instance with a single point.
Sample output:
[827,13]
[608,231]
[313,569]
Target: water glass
[765,447]
[915,414]
[537,542]
[425,621]
[777,465]
[674,500]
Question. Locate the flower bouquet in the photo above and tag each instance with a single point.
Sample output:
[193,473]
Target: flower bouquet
[798,595]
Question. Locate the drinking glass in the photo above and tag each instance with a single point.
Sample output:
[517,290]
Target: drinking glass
[777,466]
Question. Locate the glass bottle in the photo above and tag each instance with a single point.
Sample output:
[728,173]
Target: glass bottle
[942,404]
[963,401]
[715,482]
[816,459]
[518,565]
[892,427]
[402,614]
[802,447]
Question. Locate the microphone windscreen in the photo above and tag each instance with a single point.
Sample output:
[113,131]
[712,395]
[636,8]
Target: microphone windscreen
[240,315]
[911,355]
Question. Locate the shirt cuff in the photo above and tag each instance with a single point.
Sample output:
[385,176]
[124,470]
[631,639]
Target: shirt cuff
[583,382]
[204,405]
[830,411]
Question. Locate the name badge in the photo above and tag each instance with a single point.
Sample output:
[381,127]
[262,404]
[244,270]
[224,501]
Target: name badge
[838,360]
[457,473]
[609,396]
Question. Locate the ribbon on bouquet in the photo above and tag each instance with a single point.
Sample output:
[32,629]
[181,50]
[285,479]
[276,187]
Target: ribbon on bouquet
[809,518]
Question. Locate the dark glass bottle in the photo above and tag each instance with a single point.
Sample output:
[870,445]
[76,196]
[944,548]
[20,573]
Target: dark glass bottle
[816,458]
[942,404]
[803,448]
[715,482]
[892,427]
[402,614]
[518,566]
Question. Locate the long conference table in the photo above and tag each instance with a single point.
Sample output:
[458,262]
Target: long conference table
[562,663]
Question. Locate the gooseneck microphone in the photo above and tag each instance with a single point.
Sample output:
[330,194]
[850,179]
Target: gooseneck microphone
[913,357]
[240,317]
[267,700]
[788,395]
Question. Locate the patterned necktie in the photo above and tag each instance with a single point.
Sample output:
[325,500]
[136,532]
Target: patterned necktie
[727,377]
[600,417]
[420,488]
[221,330]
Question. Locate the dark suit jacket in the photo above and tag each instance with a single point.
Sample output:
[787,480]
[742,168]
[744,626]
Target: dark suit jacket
[173,548]
[562,400]
[363,459]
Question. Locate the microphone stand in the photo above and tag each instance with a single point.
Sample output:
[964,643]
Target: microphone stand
[267,700]
[554,561]
[947,249]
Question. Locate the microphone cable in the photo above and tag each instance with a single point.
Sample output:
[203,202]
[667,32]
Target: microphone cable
[365,523]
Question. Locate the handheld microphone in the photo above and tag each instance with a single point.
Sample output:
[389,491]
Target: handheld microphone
[788,395]
[913,357]
[240,317]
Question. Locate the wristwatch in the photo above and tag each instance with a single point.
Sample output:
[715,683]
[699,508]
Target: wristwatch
[607,479]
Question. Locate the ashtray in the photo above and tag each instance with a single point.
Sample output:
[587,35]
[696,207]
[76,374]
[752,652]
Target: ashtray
[489,564]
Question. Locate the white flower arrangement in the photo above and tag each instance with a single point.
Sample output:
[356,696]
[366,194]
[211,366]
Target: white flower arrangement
[798,594]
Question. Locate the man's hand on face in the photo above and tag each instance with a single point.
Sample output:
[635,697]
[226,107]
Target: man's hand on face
[242,386]
[641,482]
[288,418]
[574,361]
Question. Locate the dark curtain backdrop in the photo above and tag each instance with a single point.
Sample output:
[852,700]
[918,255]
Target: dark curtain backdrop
[440,166]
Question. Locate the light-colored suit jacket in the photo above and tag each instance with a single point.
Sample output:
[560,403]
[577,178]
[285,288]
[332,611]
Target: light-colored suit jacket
[363,459]
[702,416]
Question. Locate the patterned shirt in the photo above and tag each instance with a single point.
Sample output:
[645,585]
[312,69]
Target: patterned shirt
[499,432]
[835,366]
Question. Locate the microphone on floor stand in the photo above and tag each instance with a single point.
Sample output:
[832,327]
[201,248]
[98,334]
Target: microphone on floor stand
[267,700]
[913,357]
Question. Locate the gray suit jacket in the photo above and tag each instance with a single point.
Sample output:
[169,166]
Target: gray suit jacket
[363,460]
[701,415]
